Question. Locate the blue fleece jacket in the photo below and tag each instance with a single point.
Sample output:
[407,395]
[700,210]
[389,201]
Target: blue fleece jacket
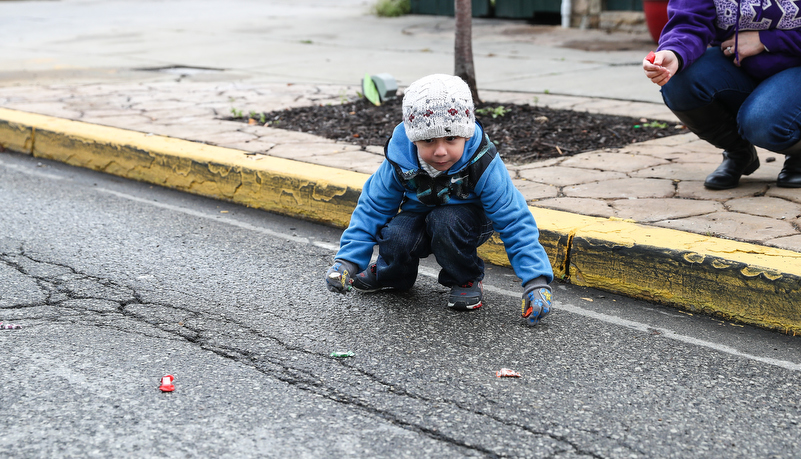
[504,205]
[695,24]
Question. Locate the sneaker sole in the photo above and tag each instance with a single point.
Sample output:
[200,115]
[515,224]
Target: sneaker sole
[464,307]
[369,290]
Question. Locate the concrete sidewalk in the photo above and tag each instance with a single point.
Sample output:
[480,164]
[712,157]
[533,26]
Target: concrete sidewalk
[634,220]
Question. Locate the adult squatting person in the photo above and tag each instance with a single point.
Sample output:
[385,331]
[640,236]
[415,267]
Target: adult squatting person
[442,189]
[730,72]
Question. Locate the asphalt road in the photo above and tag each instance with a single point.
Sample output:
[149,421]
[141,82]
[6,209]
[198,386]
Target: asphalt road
[117,283]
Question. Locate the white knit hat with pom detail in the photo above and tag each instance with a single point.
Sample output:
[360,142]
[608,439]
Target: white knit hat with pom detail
[438,106]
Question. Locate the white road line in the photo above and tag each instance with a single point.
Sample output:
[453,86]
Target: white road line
[207,216]
[572,309]
[29,171]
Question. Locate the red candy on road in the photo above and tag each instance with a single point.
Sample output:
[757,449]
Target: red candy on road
[166,384]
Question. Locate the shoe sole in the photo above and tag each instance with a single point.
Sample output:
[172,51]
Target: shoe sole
[369,290]
[464,307]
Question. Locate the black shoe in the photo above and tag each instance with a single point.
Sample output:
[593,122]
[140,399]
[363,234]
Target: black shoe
[734,165]
[718,126]
[790,176]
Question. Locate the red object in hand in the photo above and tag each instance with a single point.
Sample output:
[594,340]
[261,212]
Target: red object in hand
[650,57]
[166,384]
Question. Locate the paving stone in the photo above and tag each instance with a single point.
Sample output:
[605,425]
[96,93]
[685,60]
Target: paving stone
[673,171]
[357,161]
[281,136]
[791,194]
[535,165]
[201,128]
[533,191]
[733,225]
[766,206]
[561,176]
[622,188]
[583,206]
[788,243]
[652,210]
[56,109]
[670,152]
[604,161]
[189,112]
[100,101]
[311,150]
[110,112]
[680,139]
[223,138]
[690,189]
[32,93]
[132,122]
[252,146]
[682,155]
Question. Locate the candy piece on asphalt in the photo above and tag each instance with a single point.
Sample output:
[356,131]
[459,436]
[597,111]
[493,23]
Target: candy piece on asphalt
[507,373]
[166,384]
[650,57]
[9,326]
[342,354]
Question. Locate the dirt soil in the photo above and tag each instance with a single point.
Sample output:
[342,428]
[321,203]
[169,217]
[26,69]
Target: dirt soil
[522,133]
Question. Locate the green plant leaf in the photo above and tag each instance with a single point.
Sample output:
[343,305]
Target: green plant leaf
[370,91]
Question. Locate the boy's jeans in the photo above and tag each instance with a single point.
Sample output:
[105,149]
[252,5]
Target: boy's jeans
[768,112]
[451,232]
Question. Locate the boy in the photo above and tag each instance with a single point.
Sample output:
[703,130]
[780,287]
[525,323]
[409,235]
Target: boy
[452,189]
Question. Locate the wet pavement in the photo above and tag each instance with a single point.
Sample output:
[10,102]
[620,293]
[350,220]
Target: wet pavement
[178,69]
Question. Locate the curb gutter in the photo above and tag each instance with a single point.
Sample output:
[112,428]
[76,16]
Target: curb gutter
[737,281]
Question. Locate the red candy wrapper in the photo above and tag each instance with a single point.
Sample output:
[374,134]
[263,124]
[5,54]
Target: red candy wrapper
[650,57]
[166,384]
[507,373]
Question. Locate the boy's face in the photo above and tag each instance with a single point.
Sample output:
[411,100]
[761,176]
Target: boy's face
[441,153]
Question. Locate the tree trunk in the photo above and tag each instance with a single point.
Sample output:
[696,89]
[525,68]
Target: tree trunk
[463,50]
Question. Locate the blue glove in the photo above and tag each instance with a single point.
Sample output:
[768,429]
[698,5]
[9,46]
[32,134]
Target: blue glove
[537,302]
[337,278]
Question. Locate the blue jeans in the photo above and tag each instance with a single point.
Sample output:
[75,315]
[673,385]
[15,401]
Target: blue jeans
[451,232]
[768,112]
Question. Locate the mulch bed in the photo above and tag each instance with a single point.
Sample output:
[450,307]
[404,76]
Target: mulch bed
[522,133]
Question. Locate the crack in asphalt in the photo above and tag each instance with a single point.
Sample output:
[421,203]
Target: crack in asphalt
[63,284]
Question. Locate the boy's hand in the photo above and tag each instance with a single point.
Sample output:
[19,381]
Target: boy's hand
[537,303]
[337,279]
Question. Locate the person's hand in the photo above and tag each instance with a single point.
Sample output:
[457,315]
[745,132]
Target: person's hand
[748,44]
[338,276]
[665,65]
[537,303]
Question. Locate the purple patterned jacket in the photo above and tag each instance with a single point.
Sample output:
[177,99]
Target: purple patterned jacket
[693,25]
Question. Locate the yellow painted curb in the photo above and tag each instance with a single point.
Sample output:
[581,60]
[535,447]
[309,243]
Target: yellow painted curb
[305,190]
[738,281]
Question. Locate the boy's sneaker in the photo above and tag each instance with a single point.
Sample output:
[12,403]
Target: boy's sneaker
[366,280]
[466,297]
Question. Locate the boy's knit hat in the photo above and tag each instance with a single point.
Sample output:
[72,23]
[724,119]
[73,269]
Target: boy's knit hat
[438,106]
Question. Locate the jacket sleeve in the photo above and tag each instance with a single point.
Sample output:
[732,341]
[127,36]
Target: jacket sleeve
[379,202]
[511,218]
[787,42]
[689,30]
